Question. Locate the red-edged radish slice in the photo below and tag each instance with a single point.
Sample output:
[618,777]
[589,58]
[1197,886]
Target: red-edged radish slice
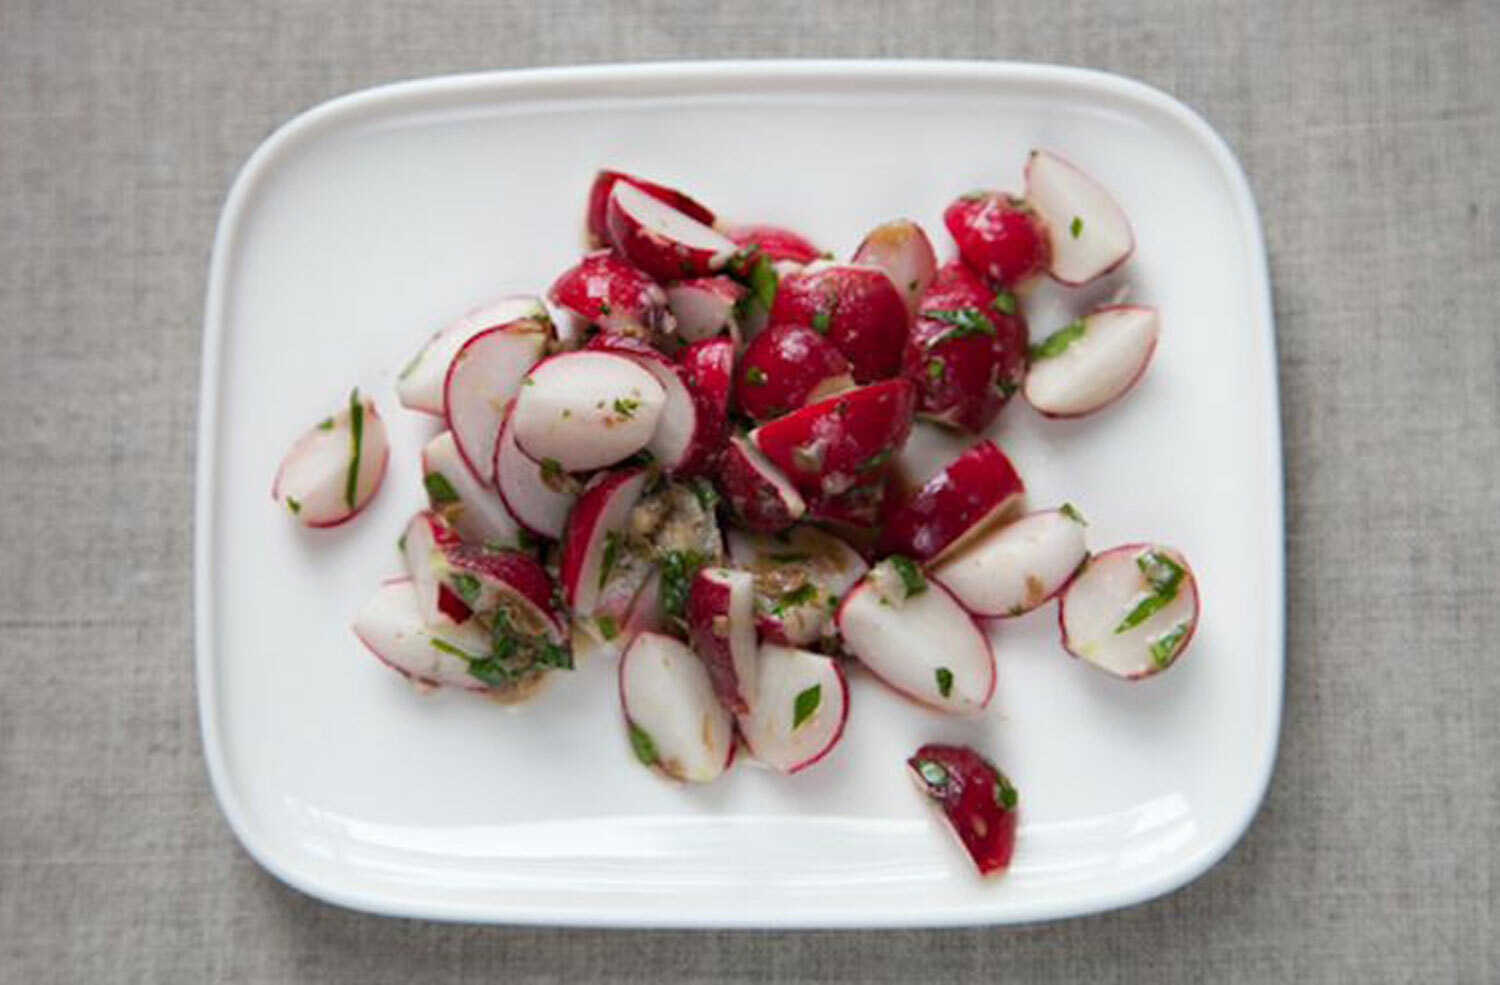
[776,242]
[676,724]
[490,579]
[784,368]
[977,800]
[904,252]
[708,369]
[1012,570]
[580,411]
[482,379]
[978,490]
[607,290]
[910,632]
[798,711]
[662,241]
[596,523]
[999,236]
[1131,610]
[1092,361]
[537,495]
[1088,234]
[390,624]
[859,308]
[677,439]
[758,493]
[475,511]
[420,385]
[800,576]
[927,451]
[705,306]
[604,183]
[721,623]
[334,469]
[424,543]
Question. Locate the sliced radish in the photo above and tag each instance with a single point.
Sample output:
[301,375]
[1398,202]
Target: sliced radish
[800,576]
[333,471]
[676,724]
[604,183]
[776,242]
[904,252]
[607,290]
[708,369]
[482,379]
[424,544]
[580,411]
[1131,610]
[677,439]
[927,451]
[721,623]
[420,385]
[977,800]
[784,368]
[1014,569]
[664,242]
[976,491]
[1092,361]
[538,496]
[390,624]
[498,579]
[1000,236]
[597,522]
[798,711]
[705,307]
[910,632]
[1087,232]
[758,493]
[859,308]
[476,511]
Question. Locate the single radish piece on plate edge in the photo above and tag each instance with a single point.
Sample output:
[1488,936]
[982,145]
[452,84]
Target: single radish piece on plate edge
[798,710]
[975,492]
[1020,566]
[1130,610]
[704,307]
[708,370]
[586,410]
[800,576]
[604,183]
[607,290]
[721,624]
[423,544]
[680,437]
[335,468]
[1092,361]
[904,252]
[664,242]
[759,494]
[1088,234]
[674,720]
[999,236]
[477,512]
[858,308]
[482,379]
[538,494]
[784,368]
[596,524]
[420,385]
[977,800]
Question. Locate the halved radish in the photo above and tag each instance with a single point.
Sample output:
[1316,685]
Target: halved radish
[676,724]
[1012,570]
[976,491]
[664,242]
[904,252]
[596,523]
[677,439]
[476,511]
[390,624]
[1088,234]
[491,580]
[784,368]
[776,242]
[721,624]
[1131,610]
[333,471]
[708,369]
[758,493]
[579,411]
[538,496]
[705,307]
[420,385]
[1092,361]
[927,451]
[604,183]
[798,711]
[1000,236]
[910,632]
[424,543]
[482,379]
[800,576]
[859,308]
[978,801]
[607,290]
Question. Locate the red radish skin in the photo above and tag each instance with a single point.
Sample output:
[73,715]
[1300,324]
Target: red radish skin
[1018,567]
[607,290]
[313,482]
[604,183]
[1088,234]
[721,623]
[790,682]
[662,241]
[482,379]
[762,498]
[704,307]
[539,499]
[904,252]
[420,385]
[978,802]
[786,366]
[783,566]
[708,370]
[427,538]
[978,490]
[586,410]
[1000,236]
[476,512]
[676,724]
[391,627]
[603,509]
[777,243]
[1094,608]
[508,576]
[1113,347]
[859,309]
[677,441]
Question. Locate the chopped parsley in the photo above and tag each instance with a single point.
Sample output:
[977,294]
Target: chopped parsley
[912,578]
[1004,792]
[326,424]
[552,472]
[357,436]
[678,568]
[439,489]
[1071,512]
[806,704]
[444,646]
[626,406]
[1057,343]
[763,281]
[467,586]
[965,322]
[821,321]
[513,654]
[1075,228]
[294,504]
[1165,645]
[607,627]
[1005,302]
[935,367]
[612,540]
[708,496]
[804,594]
[755,375]
[604,308]
[1165,578]
[934,774]
[1005,386]
[645,749]
[944,681]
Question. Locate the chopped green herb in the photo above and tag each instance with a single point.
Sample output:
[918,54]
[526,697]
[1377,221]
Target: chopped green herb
[528,381]
[678,568]
[607,627]
[806,704]
[439,489]
[294,504]
[763,281]
[1006,386]
[1165,646]
[604,308]
[645,749]
[755,375]
[626,406]
[911,574]
[1165,577]
[821,321]
[612,540]
[552,471]
[965,322]
[326,424]
[874,461]
[1057,343]
[446,647]
[944,681]
[401,542]
[708,496]
[804,594]
[1075,228]
[552,655]
[467,586]
[1005,302]
[935,367]
[792,557]
[357,437]
[1005,794]
[934,774]
[1071,512]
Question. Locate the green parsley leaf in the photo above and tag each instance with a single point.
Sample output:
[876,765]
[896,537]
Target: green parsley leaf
[806,703]
[678,568]
[763,281]
[604,308]
[708,496]
[935,367]
[1164,647]
[1004,793]
[626,406]
[934,774]
[911,574]
[552,473]
[965,321]
[944,681]
[821,321]
[1057,343]
[804,594]
[1071,512]
[294,504]
[1075,228]
[550,654]
[357,435]
[755,375]
[445,647]
[326,424]
[439,489]
[1165,577]
[1006,386]
[645,749]
[1005,302]
[467,587]
[401,542]
[612,541]
[607,627]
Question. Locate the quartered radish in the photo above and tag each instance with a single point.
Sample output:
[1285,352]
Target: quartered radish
[474,510]
[705,306]
[904,252]
[1088,234]
[800,576]
[721,624]
[499,579]
[390,624]
[604,183]
[538,495]
[779,244]
[597,522]
[976,491]
[1131,610]
[1092,361]
[911,633]
[607,290]
[664,242]
[676,724]
[482,379]
[584,410]
[927,451]
[424,543]
[334,470]
[708,369]
[1014,569]
[999,236]
[859,308]
[784,368]
[798,710]
[420,385]
[677,440]
[977,800]
[760,495]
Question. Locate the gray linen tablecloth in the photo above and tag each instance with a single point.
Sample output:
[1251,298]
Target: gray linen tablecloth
[1369,134]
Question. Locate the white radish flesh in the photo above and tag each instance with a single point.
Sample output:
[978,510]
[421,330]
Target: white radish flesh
[420,385]
[482,379]
[333,470]
[586,410]
[1092,361]
[390,624]
[423,544]
[705,307]
[1131,611]
[721,622]
[798,711]
[538,498]
[1018,567]
[474,510]
[782,564]
[676,723]
[1087,231]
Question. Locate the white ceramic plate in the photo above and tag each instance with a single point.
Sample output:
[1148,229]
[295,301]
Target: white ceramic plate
[365,223]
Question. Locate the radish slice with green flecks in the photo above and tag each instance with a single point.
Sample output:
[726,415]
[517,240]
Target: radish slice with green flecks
[798,710]
[662,241]
[482,379]
[1012,570]
[474,510]
[1131,610]
[334,470]
[1087,233]
[580,411]
[538,496]
[675,723]
[426,539]
[390,624]
[1092,361]
[420,385]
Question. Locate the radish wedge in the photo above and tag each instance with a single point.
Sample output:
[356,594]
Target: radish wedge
[390,624]
[1015,569]
[1131,610]
[580,411]
[420,385]
[333,471]
[860,310]
[604,183]
[662,241]
[677,438]
[721,623]
[538,497]
[798,711]
[476,511]
[800,575]
[1087,233]
[977,800]
[999,236]
[909,631]
[492,580]
[758,493]
[786,367]
[606,290]
[676,724]
[1092,361]
[481,379]
[424,543]
[708,370]
[705,307]
[977,490]
[597,522]
[904,252]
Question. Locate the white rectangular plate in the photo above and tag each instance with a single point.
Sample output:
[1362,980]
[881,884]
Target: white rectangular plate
[364,224]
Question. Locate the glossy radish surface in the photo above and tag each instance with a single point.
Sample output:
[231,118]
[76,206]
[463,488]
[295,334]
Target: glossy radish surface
[420,385]
[721,625]
[978,802]
[604,183]
[607,290]
[675,723]
[475,511]
[482,379]
[977,490]
[784,368]
[1013,569]
[391,626]
[858,308]
[662,241]
[538,495]
[1131,610]
[904,252]
[1087,233]
[800,576]
[705,306]
[677,440]
[584,410]
[596,524]
[335,468]
[999,236]
[759,493]
[798,710]
[1092,361]
[776,242]
[708,371]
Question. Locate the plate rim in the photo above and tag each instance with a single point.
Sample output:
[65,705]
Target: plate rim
[645,79]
